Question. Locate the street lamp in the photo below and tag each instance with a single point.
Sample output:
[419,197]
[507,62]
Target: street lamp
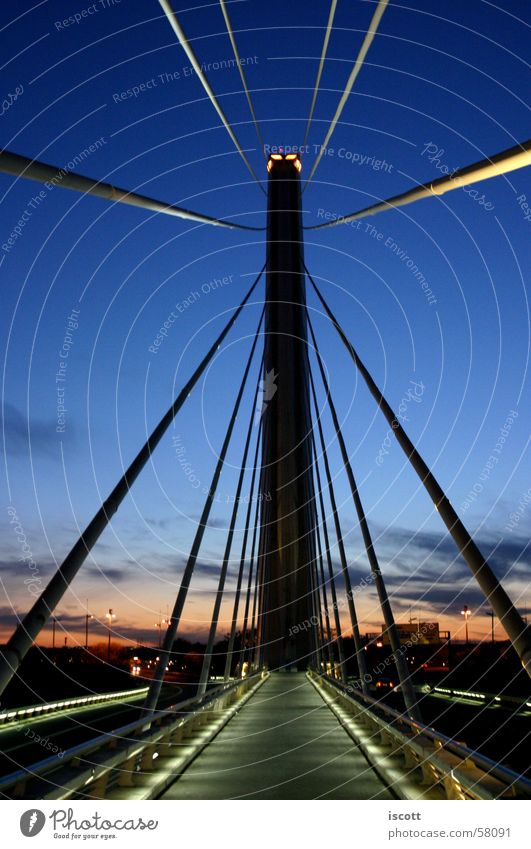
[88,616]
[110,616]
[466,613]
[160,625]
[491,614]
[55,620]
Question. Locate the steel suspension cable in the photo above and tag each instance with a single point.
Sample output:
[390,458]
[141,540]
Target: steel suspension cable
[207,659]
[315,599]
[259,605]
[508,160]
[367,41]
[328,31]
[324,644]
[308,498]
[185,44]
[360,656]
[230,647]
[406,683]
[242,75]
[322,586]
[41,172]
[28,630]
[331,576]
[318,633]
[156,684]
[517,630]
[252,563]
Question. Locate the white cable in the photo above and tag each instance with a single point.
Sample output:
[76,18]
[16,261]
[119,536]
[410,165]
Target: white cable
[501,163]
[242,75]
[321,65]
[179,32]
[33,169]
[367,41]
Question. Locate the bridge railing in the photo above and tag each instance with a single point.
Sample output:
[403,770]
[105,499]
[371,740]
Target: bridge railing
[137,760]
[417,761]
[38,711]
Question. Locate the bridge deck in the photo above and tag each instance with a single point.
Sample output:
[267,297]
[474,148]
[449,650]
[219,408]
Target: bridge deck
[285,744]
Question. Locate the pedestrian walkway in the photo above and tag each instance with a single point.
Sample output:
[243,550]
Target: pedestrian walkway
[284,744]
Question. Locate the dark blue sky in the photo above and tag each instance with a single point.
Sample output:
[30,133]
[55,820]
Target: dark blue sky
[444,84]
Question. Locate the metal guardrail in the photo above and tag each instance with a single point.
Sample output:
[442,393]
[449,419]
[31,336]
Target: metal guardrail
[137,750]
[416,761]
[8,717]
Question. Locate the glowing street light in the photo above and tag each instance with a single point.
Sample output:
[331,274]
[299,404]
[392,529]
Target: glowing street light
[160,624]
[88,617]
[110,616]
[466,613]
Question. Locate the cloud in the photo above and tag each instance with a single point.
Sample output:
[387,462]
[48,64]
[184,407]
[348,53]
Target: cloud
[17,568]
[424,569]
[212,522]
[160,523]
[8,618]
[114,574]
[25,436]
[12,567]
[433,549]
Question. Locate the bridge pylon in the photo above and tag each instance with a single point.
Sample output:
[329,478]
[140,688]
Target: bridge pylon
[287,550]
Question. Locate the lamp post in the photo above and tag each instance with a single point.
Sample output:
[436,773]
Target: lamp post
[491,614]
[55,620]
[466,613]
[110,616]
[159,625]
[414,619]
[88,616]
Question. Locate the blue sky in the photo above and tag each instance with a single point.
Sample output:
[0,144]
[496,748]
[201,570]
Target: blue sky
[442,86]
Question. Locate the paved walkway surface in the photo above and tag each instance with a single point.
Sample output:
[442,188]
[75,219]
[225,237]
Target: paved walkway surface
[284,744]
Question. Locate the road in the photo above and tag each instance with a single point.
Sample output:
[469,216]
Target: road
[19,746]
